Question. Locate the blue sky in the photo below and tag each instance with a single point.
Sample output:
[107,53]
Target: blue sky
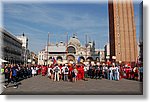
[37,19]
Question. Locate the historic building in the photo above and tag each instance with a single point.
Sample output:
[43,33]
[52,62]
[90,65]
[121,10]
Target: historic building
[11,47]
[141,35]
[73,51]
[24,40]
[32,58]
[122,32]
[107,52]
[42,57]
[102,55]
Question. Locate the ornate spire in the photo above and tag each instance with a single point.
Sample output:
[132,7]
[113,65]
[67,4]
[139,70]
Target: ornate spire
[23,34]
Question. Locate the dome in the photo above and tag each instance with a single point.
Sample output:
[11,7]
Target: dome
[75,41]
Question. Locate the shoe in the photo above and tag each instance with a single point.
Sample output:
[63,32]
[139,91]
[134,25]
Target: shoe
[4,86]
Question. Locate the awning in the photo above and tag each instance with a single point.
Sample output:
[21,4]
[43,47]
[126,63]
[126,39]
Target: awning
[1,60]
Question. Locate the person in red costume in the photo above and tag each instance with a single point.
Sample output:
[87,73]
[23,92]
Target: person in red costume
[128,72]
[42,70]
[82,71]
[78,69]
[79,72]
[70,70]
[121,72]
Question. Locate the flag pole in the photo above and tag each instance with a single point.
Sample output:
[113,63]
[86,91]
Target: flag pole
[86,44]
[66,43]
[47,47]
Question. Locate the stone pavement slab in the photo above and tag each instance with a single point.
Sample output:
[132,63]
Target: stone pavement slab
[43,85]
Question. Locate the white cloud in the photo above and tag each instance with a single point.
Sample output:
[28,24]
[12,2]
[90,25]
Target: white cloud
[53,16]
[40,15]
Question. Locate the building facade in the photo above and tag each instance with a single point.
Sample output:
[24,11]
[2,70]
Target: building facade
[141,34]
[107,51]
[71,51]
[102,55]
[11,47]
[32,58]
[122,32]
[42,57]
[24,40]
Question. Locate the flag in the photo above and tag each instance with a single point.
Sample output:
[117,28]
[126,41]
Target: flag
[54,61]
[79,60]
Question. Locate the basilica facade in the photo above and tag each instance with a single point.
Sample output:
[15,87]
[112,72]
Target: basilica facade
[71,51]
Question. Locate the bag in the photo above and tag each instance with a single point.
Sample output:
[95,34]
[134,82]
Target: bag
[66,70]
[56,69]
[14,72]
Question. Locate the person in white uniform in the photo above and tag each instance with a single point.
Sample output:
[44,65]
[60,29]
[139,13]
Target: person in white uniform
[49,72]
[56,71]
[65,71]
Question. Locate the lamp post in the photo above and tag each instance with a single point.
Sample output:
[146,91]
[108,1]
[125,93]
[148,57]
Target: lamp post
[47,47]
[86,45]
[66,43]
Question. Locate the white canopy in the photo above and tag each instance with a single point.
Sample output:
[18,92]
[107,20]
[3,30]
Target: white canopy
[1,60]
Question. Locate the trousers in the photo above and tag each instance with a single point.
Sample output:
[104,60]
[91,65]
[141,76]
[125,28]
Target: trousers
[56,78]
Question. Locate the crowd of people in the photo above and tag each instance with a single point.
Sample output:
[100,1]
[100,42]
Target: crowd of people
[70,72]
[13,73]
[74,72]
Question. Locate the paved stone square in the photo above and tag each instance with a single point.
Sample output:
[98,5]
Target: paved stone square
[42,85]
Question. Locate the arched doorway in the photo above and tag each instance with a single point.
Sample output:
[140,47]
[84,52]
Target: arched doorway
[59,58]
[89,59]
[81,59]
[97,59]
[71,49]
[70,58]
[50,58]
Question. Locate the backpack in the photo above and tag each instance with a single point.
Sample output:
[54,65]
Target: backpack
[14,72]
[66,69]
[56,69]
